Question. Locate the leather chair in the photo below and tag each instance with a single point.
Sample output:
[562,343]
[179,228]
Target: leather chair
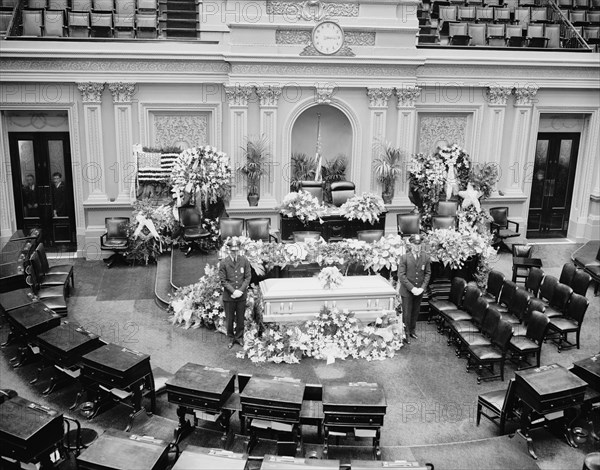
[302,236]
[534,281]
[484,318]
[521,251]
[535,305]
[508,291]
[567,273]
[443,222]
[494,286]
[47,280]
[260,229]
[341,191]
[116,239]
[501,404]
[315,188]
[65,270]
[531,343]
[570,323]
[581,282]
[52,297]
[500,227]
[408,224]
[558,303]
[455,300]
[369,236]
[488,356]
[192,232]
[448,208]
[231,227]
[547,288]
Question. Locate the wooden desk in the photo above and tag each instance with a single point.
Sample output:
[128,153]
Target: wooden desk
[117,450]
[589,370]
[200,458]
[15,299]
[29,432]
[113,370]
[545,390]
[201,391]
[520,262]
[356,408]
[275,462]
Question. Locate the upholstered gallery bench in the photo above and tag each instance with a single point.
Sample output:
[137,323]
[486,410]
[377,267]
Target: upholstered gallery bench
[588,258]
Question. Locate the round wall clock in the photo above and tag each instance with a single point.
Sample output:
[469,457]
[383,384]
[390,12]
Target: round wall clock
[328,37]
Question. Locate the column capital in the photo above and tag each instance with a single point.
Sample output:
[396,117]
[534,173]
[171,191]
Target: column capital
[268,95]
[122,92]
[407,95]
[498,95]
[238,95]
[378,97]
[324,92]
[91,92]
[525,96]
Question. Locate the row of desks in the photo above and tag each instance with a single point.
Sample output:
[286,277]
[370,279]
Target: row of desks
[14,258]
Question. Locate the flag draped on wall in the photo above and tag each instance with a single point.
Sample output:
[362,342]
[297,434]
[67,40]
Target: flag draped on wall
[318,156]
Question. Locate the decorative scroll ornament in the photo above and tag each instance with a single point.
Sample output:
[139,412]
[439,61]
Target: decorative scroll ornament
[525,95]
[407,96]
[345,51]
[91,92]
[378,97]
[311,10]
[498,94]
[238,95]
[269,95]
[121,91]
[324,92]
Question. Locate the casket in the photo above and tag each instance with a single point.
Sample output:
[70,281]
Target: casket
[301,299]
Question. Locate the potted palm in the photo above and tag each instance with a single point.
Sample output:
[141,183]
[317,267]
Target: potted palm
[333,170]
[256,153]
[303,169]
[387,168]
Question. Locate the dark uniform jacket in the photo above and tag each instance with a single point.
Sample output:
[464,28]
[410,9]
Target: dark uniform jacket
[235,275]
[413,272]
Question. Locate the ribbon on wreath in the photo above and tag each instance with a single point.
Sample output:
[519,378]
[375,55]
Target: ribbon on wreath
[144,222]
[451,185]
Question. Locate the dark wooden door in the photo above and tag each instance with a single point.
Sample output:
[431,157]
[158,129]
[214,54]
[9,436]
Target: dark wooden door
[552,184]
[36,158]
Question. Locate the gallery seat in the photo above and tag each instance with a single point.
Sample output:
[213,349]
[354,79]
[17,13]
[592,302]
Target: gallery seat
[115,239]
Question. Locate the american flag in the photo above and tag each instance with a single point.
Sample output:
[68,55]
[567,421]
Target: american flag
[318,156]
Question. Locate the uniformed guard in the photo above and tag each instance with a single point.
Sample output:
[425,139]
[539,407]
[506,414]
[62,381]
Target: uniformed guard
[234,274]
[414,271]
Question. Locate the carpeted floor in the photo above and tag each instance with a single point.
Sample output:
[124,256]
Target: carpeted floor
[431,399]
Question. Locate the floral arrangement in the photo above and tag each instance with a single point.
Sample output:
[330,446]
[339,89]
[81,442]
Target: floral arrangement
[330,278]
[366,207]
[302,205]
[484,178]
[456,161]
[201,174]
[454,247]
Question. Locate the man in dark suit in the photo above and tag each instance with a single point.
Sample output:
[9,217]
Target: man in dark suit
[59,196]
[414,271]
[30,200]
[234,274]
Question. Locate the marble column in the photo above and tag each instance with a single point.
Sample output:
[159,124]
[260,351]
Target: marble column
[405,136]
[378,104]
[521,133]
[125,164]
[496,97]
[94,170]
[268,101]
[237,97]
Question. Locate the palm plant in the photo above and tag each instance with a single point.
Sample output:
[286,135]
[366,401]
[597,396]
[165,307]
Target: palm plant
[387,168]
[333,170]
[256,153]
[303,169]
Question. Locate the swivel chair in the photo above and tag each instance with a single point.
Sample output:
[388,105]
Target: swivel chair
[341,191]
[314,188]
[192,231]
[500,227]
[115,239]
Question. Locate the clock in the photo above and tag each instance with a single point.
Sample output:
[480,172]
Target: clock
[328,37]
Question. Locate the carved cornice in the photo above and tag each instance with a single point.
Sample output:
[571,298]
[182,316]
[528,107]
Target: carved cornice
[311,10]
[407,95]
[238,95]
[121,91]
[324,92]
[91,92]
[525,96]
[498,95]
[378,97]
[302,36]
[269,95]
[311,70]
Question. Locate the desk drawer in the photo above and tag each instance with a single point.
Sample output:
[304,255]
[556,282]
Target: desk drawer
[353,419]
[196,403]
[270,413]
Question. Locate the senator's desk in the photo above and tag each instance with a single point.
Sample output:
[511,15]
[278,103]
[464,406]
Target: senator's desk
[118,372]
[201,391]
[276,462]
[117,450]
[63,348]
[15,299]
[271,403]
[200,458]
[545,390]
[29,432]
[589,370]
[354,409]
[14,258]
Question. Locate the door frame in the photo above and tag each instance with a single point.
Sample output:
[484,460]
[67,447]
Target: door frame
[6,190]
[589,146]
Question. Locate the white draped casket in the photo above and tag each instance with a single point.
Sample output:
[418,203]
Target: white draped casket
[301,299]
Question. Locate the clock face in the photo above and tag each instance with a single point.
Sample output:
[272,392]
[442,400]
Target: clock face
[328,37]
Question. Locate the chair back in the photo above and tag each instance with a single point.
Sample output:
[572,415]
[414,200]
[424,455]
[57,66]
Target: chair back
[117,227]
[519,303]
[561,296]
[457,291]
[534,280]
[522,251]
[448,13]
[190,217]
[477,33]
[490,321]
[494,283]
[577,308]
[443,222]
[341,191]
[510,399]
[447,208]
[472,293]
[508,291]
[103,5]
[259,228]
[231,227]
[553,35]
[126,7]
[81,5]
[500,216]
[503,335]
[537,327]
[547,288]
[41,251]
[408,224]
[457,29]
[300,237]
[495,30]
[314,188]
[479,312]
[36,266]
[581,281]
[369,236]
[32,22]
[567,273]
[535,305]
[54,23]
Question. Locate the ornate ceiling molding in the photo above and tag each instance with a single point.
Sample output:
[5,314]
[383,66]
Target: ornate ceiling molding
[312,10]
[498,95]
[378,97]
[302,36]
[324,92]
[407,95]
[122,92]
[268,95]
[237,95]
[525,96]
[91,92]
